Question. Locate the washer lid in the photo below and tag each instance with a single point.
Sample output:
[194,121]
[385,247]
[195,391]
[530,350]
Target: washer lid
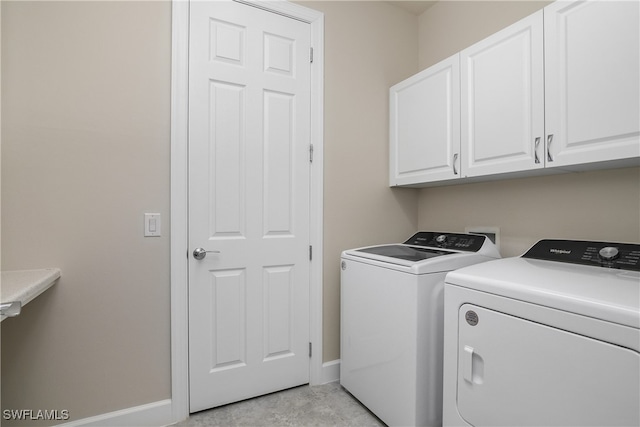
[428,252]
[405,252]
[428,244]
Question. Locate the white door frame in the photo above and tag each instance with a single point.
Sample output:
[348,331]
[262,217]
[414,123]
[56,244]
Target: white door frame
[179,187]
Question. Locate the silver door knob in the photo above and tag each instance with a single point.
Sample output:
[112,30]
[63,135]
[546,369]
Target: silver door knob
[200,253]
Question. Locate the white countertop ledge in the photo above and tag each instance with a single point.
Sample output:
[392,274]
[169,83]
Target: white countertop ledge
[25,285]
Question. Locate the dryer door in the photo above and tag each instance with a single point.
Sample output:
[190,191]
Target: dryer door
[513,371]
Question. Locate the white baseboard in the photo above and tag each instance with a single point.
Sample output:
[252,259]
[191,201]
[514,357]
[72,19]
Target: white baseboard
[153,414]
[331,371]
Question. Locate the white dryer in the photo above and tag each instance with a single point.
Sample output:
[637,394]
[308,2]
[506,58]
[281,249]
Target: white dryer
[551,338]
[391,322]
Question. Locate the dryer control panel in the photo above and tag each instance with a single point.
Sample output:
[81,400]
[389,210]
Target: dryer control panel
[625,256]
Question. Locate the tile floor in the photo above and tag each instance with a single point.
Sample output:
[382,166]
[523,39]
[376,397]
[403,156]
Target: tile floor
[324,405]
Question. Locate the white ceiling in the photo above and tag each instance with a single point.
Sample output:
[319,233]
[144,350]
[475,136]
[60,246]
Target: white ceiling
[415,7]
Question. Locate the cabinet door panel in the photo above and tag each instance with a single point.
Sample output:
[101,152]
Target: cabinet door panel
[425,125]
[502,101]
[592,81]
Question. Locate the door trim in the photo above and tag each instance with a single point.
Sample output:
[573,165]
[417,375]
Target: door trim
[179,187]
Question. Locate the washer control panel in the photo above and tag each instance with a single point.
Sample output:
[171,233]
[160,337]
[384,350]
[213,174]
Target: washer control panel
[625,256]
[456,241]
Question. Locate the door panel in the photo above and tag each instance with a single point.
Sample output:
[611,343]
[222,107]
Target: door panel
[227,292]
[278,311]
[249,175]
[513,371]
[225,155]
[425,125]
[592,94]
[279,147]
[502,102]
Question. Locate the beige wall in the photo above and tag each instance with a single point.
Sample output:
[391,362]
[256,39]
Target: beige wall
[602,205]
[369,46]
[598,205]
[85,152]
[450,25]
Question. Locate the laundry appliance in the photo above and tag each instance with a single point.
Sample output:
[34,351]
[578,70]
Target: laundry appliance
[392,322]
[551,338]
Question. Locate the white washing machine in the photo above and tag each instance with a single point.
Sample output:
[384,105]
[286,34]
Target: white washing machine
[391,324]
[551,338]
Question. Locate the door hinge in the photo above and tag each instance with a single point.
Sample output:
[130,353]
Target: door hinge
[310,252]
[310,349]
[310,153]
[311,55]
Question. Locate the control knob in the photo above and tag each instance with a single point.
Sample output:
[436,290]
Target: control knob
[441,239]
[609,253]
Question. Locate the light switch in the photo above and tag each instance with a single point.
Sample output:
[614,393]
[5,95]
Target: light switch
[152,225]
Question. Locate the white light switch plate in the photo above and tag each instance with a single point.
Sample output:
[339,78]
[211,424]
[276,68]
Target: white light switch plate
[152,225]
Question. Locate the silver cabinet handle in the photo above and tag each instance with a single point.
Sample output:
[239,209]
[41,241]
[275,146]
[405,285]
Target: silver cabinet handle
[200,253]
[535,150]
[549,140]
[455,158]
[10,309]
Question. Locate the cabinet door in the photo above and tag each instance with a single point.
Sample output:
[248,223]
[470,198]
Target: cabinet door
[425,125]
[502,88]
[592,81]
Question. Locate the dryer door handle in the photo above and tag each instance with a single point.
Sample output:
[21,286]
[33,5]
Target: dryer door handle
[467,364]
[472,366]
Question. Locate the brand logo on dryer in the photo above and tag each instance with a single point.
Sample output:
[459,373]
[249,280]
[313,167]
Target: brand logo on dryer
[560,251]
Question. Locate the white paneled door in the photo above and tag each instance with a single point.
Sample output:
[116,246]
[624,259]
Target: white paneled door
[249,175]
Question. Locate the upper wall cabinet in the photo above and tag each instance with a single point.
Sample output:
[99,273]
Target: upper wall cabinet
[425,125]
[592,80]
[558,90]
[503,100]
